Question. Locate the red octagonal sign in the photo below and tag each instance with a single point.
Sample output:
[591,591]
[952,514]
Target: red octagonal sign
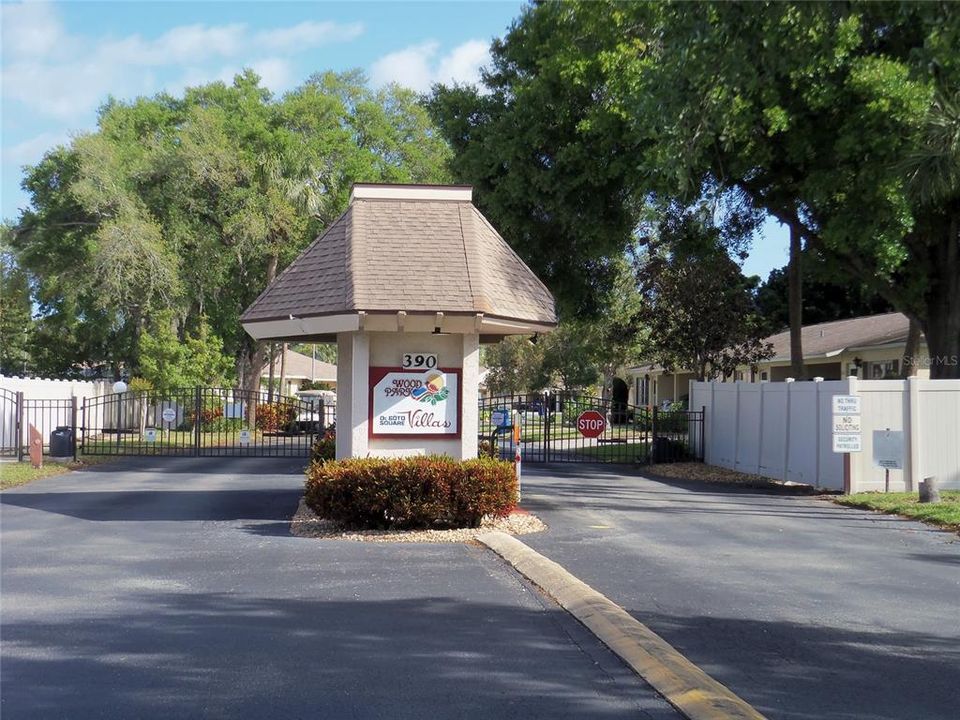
[591,424]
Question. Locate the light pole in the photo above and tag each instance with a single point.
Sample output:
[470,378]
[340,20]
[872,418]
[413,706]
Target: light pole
[119,387]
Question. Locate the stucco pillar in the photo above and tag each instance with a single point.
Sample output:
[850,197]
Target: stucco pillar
[353,370]
[471,391]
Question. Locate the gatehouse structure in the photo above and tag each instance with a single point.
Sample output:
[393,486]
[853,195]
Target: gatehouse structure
[408,282]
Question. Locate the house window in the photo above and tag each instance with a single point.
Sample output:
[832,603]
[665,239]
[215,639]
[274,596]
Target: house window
[883,370]
[764,375]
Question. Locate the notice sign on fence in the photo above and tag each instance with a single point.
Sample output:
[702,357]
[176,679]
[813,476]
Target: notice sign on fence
[888,449]
[846,424]
[847,442]
[150,435]
[846,405]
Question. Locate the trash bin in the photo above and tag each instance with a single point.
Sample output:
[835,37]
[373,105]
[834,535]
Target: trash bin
[61,442]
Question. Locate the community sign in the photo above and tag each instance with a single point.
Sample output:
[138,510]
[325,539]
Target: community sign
[414,402]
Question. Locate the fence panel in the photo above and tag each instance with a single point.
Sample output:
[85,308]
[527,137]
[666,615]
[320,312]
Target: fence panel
[784,430]
[938,432]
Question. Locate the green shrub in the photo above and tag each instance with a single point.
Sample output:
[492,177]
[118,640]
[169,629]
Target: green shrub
[417,492]
[325,446]
[223,424]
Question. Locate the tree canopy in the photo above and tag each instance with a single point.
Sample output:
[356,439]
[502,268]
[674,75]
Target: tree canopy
[192,205]
[840,119]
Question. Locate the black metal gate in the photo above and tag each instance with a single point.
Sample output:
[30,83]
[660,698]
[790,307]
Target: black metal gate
[200,422]
[554,428]
[11,423]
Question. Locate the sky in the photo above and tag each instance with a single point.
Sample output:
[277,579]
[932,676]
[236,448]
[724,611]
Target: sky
[60,61]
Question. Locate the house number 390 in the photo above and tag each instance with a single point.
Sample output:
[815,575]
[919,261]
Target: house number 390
[419,361]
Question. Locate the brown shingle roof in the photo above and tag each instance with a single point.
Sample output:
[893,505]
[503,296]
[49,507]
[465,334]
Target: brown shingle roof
[831,338]
[415,255]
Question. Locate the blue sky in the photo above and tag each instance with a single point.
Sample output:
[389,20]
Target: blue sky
[61,60]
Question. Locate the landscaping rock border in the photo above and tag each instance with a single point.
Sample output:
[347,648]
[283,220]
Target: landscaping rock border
[306,523]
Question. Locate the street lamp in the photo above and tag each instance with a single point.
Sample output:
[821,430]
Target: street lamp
[119,387]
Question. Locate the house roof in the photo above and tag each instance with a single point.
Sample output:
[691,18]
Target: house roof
[302,367]
[409,249]
[828,339]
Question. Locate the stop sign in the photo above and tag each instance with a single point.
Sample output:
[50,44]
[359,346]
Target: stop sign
[591,424]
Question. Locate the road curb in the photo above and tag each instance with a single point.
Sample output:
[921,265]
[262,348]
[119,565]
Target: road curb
[685,686]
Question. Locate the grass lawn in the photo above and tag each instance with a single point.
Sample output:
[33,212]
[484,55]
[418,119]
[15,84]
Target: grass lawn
[21,473]
[946,513]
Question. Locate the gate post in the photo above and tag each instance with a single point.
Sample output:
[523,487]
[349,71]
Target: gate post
[197,405]
[73,424]
[653,436]
[19,426]
[703,431]
[545,400]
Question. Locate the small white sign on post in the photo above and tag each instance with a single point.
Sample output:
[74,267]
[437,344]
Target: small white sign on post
[845,424]
[846,405]
[888,449]
[244,437]
[150,435]
[847,442]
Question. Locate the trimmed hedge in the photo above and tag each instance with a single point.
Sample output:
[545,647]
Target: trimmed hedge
[416,492]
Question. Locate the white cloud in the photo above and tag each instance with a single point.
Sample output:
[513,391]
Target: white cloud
[275,73]
[306,35]
[56,74]
[30,29]
[418,67]
[31,150]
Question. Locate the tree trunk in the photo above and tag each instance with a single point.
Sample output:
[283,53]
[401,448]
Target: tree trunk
[941,327]
[908,363]
[273,374]
[795,299]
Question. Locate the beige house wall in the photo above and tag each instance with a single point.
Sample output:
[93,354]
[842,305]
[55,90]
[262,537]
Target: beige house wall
[673,386]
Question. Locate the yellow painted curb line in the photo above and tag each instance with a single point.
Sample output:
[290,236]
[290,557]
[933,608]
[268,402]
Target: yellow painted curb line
[685,686]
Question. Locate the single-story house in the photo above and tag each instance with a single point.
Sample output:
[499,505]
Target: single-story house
[298,369]
[869,347]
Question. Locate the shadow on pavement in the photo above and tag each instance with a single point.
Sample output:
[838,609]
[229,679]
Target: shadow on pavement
[231,465]
[163,505]
[217,655]
[798,671]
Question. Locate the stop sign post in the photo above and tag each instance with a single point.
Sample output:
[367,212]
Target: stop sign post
[591,424]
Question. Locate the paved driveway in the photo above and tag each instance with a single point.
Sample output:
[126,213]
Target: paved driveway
[803,608]
[170,588]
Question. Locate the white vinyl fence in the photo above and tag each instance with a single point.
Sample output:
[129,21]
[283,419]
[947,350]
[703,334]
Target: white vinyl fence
[45,416]
[784,430]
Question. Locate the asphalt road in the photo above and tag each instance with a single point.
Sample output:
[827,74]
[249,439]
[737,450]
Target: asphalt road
[170,587]
[803,608]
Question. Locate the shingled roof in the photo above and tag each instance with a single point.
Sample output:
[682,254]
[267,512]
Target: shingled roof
[409,250]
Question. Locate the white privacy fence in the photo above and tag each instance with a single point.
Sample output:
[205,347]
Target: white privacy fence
[41,402]
[784,430]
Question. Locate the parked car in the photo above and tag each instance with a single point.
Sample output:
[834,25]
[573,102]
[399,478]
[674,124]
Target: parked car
[322,412]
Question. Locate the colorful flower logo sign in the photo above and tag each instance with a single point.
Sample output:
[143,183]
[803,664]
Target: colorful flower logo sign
[434,391]
[413,402]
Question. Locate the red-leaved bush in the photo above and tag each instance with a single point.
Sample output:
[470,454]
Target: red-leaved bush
[416,492]
[272,417]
